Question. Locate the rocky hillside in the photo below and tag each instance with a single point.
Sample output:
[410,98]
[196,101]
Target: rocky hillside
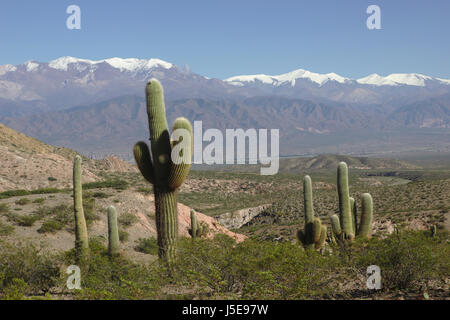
[27,163]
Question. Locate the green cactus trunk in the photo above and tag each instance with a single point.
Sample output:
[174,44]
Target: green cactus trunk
[312,236]
[166,223]
[165,169]
[344,201]
[81,235]
[365,224]
[113,232]
[194,225]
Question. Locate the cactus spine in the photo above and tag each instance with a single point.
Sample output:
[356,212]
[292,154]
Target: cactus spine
[165,169]
[194,225]
[113,232]
[314,234]
[81,235]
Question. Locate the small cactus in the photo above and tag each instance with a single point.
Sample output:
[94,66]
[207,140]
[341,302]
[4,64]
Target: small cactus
[164,168]
[81,234]
[314,234]
[433,230]
[113,232]
[194,225]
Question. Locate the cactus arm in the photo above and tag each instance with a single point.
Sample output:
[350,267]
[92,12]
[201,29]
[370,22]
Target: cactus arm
[113,232]
[81,235]
[354,212]
[322,238]
[144,161]
[317,229]
[336,225]
[365,225]
[181,163]
[344,201]
[159,131]
[308,199]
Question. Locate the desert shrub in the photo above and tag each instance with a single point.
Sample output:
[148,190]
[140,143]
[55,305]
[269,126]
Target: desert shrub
[408,259]
[116,278]
[19,193]
[115,184]
[24,261]
[22,220]
[123,235]
[149,246]
[22,202]
[52,179]
[127,219]
[253,270]
[39,200]
[4,208]
[50,226]
[16,290]
[100,195]
[6,229]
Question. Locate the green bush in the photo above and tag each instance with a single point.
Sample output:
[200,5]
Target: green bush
[4,208]
[24,261]
[123,235]
[407,260]
[115,184]
[127,219]
[6,229]
[23,220]
[117,278]
[100,195]
[50,226]
[52,179]
[39,200]
[22,201]
[149,246]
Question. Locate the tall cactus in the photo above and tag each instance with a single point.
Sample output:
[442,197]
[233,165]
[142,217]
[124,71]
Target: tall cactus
[81,235]
[165,169]
[345,226]
[113,232]
[314,234]
[345,214]
[194,224]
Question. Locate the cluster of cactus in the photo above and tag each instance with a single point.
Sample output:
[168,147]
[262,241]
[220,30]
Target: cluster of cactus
[314,233]
[345,226]
[161,170]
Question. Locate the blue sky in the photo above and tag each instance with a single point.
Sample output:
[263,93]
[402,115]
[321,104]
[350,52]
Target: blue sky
[225,38]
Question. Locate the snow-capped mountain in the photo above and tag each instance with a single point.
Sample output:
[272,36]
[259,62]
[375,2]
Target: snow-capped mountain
[67,81]
[33,86]
[290,78]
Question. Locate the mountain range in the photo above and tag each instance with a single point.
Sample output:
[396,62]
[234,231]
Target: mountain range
[98,106]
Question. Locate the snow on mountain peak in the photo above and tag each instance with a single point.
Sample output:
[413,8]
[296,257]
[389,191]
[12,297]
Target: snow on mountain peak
[289,77]
[7,68]
[411,79]
[130,64]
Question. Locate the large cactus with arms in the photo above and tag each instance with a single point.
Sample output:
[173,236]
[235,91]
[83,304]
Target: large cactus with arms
[166,168]
[345,226]
[314,234]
